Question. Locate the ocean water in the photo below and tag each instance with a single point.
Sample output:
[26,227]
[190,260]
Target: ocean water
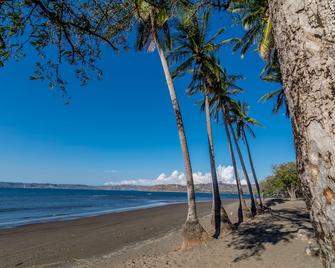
[27,206]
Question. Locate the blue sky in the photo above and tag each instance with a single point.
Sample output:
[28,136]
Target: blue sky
[123,127]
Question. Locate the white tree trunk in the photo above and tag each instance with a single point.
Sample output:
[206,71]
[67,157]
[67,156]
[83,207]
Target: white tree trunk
[215,186]
[304,32]
[193,232]
[292,192]
[252,198]
[243,208]
[253,169]
[217,204]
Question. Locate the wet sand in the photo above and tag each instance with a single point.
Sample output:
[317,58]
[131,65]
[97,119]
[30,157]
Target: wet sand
[149,238]
[64,241]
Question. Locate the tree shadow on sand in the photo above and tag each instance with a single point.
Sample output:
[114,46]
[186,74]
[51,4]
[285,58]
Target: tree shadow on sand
[274,201]
[277,226]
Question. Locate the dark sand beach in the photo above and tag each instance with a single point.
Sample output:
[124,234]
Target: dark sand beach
[150,238]
[40,244]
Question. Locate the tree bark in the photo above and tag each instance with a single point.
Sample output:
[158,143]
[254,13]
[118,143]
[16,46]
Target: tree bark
[242,204]
[292,192]
[217,204]
[253,169]
[193,232]
[304,33]
[253,204]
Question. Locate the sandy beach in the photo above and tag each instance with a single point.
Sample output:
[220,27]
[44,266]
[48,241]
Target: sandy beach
[64,241]
[150,238]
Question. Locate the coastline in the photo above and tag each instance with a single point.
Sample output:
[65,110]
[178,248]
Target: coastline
[269,240]
[31,206]
[63,241]
[150,238]
[85,215]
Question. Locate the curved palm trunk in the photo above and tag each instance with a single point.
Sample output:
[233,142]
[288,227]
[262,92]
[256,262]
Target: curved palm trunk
[193,232]
[217,204]
[253,169]
[304,33]
[253,203]
[242,204]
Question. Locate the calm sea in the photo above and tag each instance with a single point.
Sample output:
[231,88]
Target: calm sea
[26,206]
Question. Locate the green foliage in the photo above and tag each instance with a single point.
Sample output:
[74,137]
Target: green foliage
[62,33]
[271,73]
[195,53]
[243,121]
[254,16]
[150,20]
[284,181]
[222,101]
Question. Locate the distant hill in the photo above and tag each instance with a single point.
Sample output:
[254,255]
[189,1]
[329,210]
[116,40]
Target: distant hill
[226,188]
[44,185]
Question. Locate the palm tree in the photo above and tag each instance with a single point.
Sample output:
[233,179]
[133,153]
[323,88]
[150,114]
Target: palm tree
[244,122]
[254,16]
[152,21]
[271,73]
[239,153]
[220,101]
[195,53]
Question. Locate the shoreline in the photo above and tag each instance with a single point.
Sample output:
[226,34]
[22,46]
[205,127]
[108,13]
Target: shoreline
[63,241]
[268,240]
[150,238]
[22,214]
[84,215]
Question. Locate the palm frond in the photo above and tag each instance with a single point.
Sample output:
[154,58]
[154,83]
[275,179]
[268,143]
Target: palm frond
[268,96]
[266,43]
[183,68]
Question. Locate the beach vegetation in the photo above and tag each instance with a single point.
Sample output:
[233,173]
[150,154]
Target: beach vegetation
[284,182]
[244,125]
[152,22]
[308,78]
[294,38]
[220,104]
[195,53]
[64,35]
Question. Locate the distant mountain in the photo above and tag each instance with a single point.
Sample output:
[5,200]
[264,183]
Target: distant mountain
[226,188]
[44,185]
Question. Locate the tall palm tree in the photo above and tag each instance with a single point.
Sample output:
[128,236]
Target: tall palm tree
[244,122]
[195,53]
[229,109]
[152,21]
[237,146]
[220,101]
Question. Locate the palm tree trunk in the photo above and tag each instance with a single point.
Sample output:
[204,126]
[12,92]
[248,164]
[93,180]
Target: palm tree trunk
[304,34]
[193,232]
[242,204]
[253,169]
[217,205]
[253,203]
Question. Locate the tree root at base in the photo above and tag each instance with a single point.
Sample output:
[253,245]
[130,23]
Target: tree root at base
[193,235]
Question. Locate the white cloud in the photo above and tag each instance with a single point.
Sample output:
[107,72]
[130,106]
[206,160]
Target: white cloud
[112,171]
[225,175]
[176,177]
[130,182]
